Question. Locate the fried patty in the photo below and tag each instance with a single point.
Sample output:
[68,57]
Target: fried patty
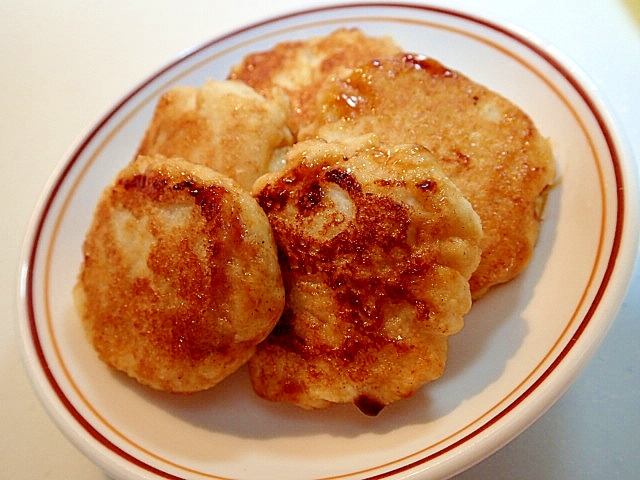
[488,146]
[180,278]
[376,247]
[298,67]
[224,125]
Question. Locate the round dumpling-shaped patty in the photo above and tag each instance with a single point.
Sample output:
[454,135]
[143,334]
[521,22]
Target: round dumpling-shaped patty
[488,146]
[376,248]
[298,67]
[180,278]
[225,125]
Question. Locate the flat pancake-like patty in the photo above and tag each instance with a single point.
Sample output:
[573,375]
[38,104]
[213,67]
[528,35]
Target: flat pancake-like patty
[488,146]
[180,278]
[224,125]
[298,67]
[376,248]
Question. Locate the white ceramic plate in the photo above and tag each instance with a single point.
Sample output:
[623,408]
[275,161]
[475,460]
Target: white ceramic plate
[522,345]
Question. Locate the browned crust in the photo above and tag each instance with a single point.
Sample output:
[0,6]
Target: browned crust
[298,67]
[485,144]
[173,290]
[372,295]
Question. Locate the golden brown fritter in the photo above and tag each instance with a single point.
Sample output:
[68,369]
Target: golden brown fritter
[485,144]
[180,278]
[298,67]
[376,247]
[224,125]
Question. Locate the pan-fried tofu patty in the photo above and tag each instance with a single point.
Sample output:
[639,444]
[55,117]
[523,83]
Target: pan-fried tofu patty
[488,146]
[376,249]
[298,67]
[180,278]
[224,125]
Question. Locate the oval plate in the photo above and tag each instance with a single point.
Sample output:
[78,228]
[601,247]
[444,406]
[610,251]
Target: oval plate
[522,345]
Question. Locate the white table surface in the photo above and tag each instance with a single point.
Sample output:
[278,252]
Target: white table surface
[64,63]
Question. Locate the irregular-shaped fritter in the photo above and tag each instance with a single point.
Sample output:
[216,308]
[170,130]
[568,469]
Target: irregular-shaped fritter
[485,144]
[224,125]
[298,67]
[376,247]
[180,278]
